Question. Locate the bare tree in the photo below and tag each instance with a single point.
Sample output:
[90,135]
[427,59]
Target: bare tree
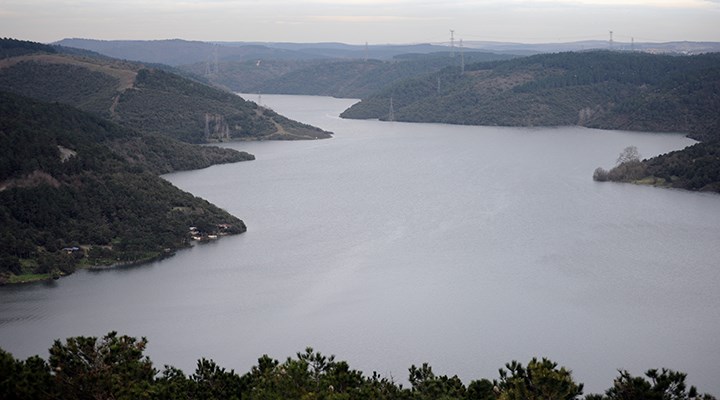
[630,154]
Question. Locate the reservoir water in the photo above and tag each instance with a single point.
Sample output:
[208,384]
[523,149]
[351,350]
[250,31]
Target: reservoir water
[395,244]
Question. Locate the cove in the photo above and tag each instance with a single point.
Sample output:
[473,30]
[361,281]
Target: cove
[395,244]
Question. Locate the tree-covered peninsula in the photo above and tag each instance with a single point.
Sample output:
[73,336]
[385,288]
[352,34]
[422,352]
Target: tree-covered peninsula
[115,367]
[77,190]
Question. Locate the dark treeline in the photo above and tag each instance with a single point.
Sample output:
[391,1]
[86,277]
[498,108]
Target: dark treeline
[114,367]
[13,47]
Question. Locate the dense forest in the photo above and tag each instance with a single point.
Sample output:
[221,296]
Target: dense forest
[77,190]
[146,99]
[355,78]
[114,367]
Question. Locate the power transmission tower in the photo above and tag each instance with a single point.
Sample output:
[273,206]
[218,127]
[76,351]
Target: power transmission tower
[611,39]
[452,42]
[216,64]
[366,51]
[462,58]
[211,65]
[391,114]
[632,44]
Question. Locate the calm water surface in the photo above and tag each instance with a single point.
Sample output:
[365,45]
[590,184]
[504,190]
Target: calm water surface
[395,244]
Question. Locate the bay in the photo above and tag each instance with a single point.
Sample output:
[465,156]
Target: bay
[395,244]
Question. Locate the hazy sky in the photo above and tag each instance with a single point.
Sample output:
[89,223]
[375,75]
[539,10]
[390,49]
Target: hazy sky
[360,21]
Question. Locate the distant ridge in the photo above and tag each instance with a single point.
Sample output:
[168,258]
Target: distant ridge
[678,47]
[183,52]
[176,52]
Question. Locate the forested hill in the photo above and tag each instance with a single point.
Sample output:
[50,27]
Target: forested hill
[149,100]
[78,190]
[599,89]
[349,78]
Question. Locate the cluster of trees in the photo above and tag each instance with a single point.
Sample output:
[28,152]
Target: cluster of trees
[696,167]
[600,89]
[114,367]
[80,190]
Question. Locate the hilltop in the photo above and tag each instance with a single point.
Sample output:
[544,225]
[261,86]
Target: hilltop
[146,99]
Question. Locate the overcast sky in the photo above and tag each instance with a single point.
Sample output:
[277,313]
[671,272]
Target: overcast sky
[360,21]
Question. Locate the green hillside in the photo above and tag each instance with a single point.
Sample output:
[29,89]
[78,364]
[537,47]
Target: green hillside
[77,190]
[355,78]
[149,100]
[602,89]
